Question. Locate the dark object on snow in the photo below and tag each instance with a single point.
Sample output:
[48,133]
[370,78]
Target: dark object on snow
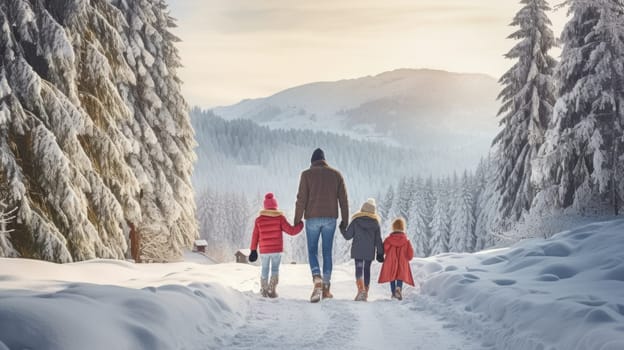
[200,245]
[135,243]
[241,256]
[253,256]
[317,155]
[380,258]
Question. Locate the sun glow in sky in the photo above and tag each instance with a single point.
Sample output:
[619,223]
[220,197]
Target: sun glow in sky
[236,49]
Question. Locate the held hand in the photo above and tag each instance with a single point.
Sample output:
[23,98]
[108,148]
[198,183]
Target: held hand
[380,258]
[253,256]
[343,226]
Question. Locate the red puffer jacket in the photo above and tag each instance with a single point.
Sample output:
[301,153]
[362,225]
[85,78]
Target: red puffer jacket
[399,252]
[268,231]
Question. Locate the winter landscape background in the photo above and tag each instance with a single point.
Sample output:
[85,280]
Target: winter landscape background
[511,187]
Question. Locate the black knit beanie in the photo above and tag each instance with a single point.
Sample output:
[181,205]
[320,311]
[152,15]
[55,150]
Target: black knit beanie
[318,155]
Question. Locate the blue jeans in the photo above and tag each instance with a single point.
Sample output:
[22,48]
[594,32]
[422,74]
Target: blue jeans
[320,228]
[274,260]
[393,285]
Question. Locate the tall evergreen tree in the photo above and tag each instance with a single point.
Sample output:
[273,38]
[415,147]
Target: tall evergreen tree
[404,198]
[62,151]
[6,216]
[162,154]
[528,99]
[440,223]
[580,163]
[386,203]
[65,146]
[461,236]
[418,226]
[487,219]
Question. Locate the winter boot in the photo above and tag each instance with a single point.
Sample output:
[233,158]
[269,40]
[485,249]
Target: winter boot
[326,293]
[264,287]
[318,289]
[361,294]
[272,291]
[397,294]
[366,293]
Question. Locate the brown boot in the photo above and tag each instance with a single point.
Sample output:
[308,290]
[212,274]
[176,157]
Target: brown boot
[366,293]
[318,289]
[264,287]
[326,293]
[361,294]
[397,294]
[272,290]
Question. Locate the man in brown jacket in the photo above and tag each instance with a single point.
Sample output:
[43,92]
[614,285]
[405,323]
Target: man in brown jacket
[321,192]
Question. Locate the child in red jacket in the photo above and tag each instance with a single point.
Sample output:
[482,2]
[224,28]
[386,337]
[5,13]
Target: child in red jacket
[396,268]
[267,233]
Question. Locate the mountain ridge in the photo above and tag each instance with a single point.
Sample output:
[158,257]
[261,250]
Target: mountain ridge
[414,108]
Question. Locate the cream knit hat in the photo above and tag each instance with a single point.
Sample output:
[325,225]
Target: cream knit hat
[369,206]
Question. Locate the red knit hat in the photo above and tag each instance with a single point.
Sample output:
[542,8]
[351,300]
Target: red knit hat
[269,201]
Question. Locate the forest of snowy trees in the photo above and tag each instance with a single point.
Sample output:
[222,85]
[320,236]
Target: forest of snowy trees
[561,146]
[559,150]
[94,132]
[443,212]
[95,138]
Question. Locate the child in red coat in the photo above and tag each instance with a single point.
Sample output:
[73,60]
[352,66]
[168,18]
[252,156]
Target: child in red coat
[396,268]
[267,233]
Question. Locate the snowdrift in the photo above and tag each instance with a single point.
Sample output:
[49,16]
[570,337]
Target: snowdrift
[563,293]
[115,305]
[566,292]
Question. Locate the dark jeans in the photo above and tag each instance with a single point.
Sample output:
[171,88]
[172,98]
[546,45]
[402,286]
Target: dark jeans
[395,284]
[362,267]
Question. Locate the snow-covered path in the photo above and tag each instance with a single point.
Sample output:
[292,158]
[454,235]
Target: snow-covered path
[196,306]
[292,322]
[563,293]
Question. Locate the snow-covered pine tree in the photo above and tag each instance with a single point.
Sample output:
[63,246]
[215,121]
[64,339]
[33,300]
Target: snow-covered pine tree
[528,99]
[385,204]
[487,219]
[162,155]
[580,163]
[461,236]
[440,223]
[64,147]
[404,198]
[62,151]
[6,216]
[429,198]
[418,228]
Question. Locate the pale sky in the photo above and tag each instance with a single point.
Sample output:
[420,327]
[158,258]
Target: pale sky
[236,49]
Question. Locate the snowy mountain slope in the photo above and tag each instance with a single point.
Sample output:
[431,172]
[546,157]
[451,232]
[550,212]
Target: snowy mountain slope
[564,293]
[418,108]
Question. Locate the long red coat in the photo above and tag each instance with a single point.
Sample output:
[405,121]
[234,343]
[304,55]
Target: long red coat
[268,232]
[399,252]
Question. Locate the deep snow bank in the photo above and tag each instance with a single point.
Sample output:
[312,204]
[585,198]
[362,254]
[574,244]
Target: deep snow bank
[114,305]
[566,292]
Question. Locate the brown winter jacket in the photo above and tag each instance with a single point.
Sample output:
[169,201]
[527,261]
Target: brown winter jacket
[321,189]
